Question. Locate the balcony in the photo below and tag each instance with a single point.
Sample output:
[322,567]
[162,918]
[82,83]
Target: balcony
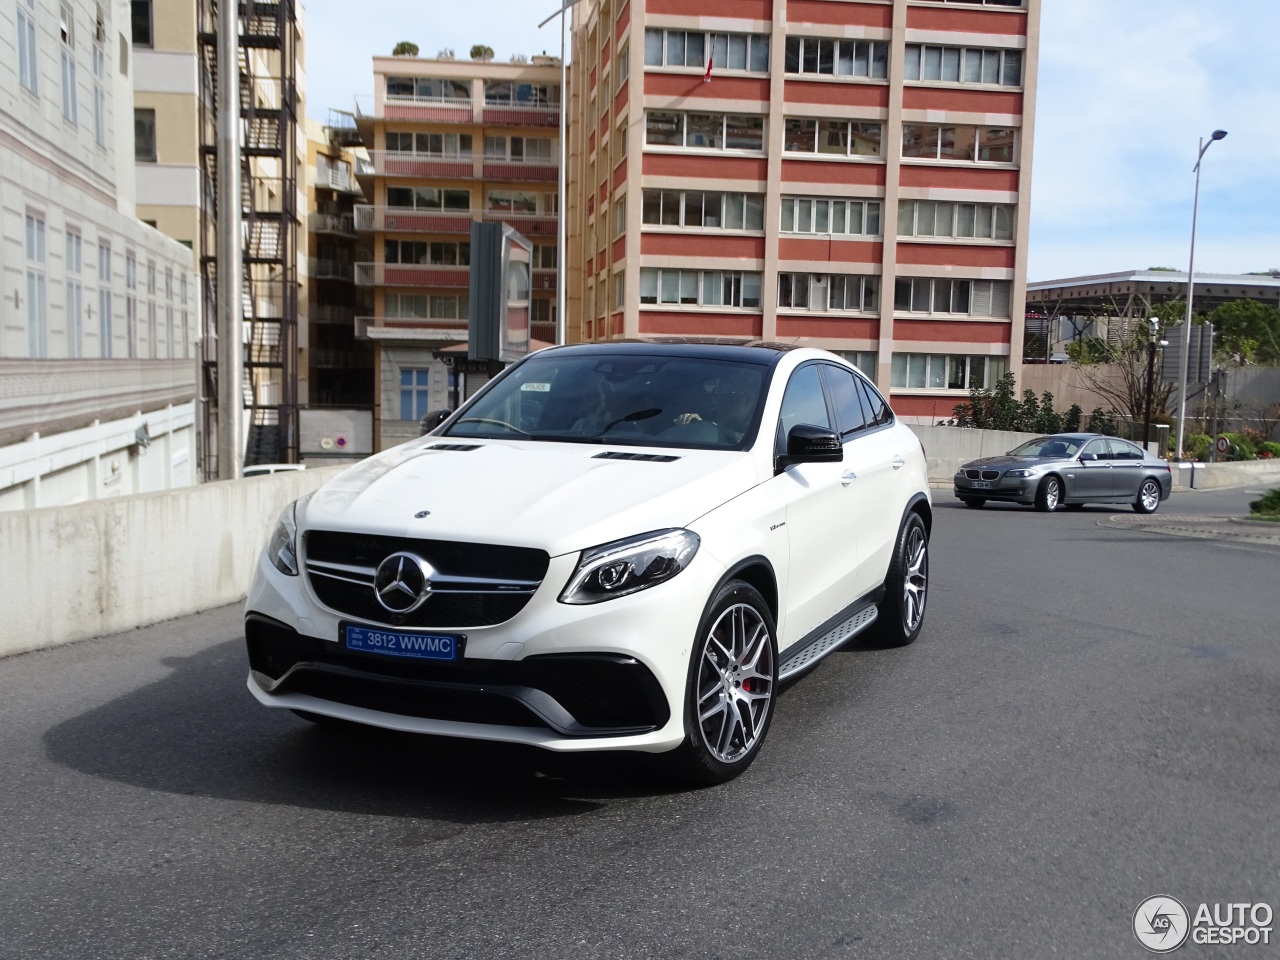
[329,313]
[325,269]
[428,109]
[518,169]
[412,275]
[369,219]
[529,224]
[341,225]
[519,115]
[339,359]
[395,163]
[407,328]
[544,280]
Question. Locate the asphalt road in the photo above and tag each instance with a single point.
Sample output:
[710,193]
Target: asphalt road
[1091,717]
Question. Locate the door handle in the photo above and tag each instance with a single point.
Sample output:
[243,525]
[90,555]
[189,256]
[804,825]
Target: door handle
[898,463]
[847,478]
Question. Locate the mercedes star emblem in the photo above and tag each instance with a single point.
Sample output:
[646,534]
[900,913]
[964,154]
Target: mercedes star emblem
[402,582]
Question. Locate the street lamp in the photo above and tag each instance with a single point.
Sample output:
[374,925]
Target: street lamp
[561,238]
[1185,368]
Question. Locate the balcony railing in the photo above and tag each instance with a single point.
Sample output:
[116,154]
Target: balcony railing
[412,275]
[544,279]
[518,115]
[329,223]
[397,163]
[530,224]
[411,220]
[326,269]
[428,109]
[410,328]
[520,169]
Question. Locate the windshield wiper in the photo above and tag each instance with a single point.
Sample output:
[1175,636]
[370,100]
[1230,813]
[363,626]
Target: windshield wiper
[632,417]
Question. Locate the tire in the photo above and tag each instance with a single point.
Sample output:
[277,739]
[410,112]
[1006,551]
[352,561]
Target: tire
[906,587]
[976,503]
[1148,500]
[1049,494]
[730,691]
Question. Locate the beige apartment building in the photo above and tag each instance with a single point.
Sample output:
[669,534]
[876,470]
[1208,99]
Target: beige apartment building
[449,142]
[847,174]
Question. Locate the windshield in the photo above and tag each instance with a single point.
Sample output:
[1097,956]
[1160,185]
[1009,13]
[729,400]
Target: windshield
[1047,447]
[637,400]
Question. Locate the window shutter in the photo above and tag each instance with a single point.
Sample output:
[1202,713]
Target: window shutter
[1000,298]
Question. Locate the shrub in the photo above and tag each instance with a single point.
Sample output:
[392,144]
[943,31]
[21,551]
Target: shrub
[1268,504]
[1100,421]
[1198,444]
[1242,447]
[1268,449]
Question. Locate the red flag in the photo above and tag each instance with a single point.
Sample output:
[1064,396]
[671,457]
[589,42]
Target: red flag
[711,62]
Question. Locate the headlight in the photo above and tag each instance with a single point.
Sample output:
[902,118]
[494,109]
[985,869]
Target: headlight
[1021,473]
[627,566]
[282,548]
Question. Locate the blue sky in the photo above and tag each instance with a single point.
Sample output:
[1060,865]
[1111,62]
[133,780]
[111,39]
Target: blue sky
[1126,89]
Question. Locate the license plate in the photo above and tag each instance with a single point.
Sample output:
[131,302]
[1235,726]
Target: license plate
[980,484]
[393,643]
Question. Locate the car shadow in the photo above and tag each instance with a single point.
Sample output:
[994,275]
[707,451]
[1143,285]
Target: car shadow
[199,732]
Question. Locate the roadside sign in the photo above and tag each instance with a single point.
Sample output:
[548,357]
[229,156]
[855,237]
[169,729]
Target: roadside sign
[1223,445]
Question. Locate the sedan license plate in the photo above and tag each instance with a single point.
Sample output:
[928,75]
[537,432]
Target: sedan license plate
[980,484]
[393,643]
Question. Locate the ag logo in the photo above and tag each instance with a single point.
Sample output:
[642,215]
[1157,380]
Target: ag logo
[1161,924]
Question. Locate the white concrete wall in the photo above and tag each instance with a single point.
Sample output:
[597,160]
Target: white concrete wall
[98,568]
[946,448]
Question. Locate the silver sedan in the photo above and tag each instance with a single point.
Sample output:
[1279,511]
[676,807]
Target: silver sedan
[1068,469]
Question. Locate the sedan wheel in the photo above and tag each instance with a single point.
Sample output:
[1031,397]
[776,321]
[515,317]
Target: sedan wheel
[906,587]
[730,693]
[1148,497]
[1049,495]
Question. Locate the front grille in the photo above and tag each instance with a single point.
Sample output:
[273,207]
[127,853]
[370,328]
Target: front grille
[982,474]
[475,585]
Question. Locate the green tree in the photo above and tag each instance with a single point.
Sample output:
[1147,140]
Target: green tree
[1072,422]
[1116,370]
[1248,330]
[1102,421]
[405,49]
[482,53]
[1048,421]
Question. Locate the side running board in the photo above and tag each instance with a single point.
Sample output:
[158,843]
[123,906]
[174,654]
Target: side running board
[809,651]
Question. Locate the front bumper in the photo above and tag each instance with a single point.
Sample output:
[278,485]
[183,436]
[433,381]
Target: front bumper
[1010,489]
[563,677]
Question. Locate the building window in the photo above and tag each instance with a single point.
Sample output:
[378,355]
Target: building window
[840,138]
[706,131]
[414,394]
[544,256]
[186,318]
[428,198]
[519,201]
[141,16]
[105,306]
[28,66]
[622,66]
[544,311]
[963,65]
[169,332]
[99,93]
[619,290]
[959,144]
[520,149]
[864,360]
[67,34]
[727,51]
[708,288]
[37,303]
[821,292]
[144,134]
[507,93]
[697,208]
[428,88]
[75,294]
[931,371]
[420,306]
[831,216]
[620,216]
[968,298]
[450,253]
[944,218]
[450,146]
[838,58]
[131,303]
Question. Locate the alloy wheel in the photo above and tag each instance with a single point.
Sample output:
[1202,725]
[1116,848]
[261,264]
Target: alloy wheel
[735,683]
[915,582]
[1150,496]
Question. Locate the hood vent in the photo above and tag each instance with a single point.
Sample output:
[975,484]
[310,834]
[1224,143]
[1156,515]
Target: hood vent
[620,455]
[460,447]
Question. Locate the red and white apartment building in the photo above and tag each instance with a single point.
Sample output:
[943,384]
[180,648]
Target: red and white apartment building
[848,174]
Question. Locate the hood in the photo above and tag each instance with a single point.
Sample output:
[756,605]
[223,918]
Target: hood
[557,497]
[1001,461]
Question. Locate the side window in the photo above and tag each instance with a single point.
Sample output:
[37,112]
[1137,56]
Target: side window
[803,403]
[1098,448]
[845,398]
[1122,450]
[878,410]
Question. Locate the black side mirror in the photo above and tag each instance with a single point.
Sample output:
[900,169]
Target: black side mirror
[432,420]
[809,444]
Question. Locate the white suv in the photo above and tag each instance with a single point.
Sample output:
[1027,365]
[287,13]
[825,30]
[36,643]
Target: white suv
[622,546]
